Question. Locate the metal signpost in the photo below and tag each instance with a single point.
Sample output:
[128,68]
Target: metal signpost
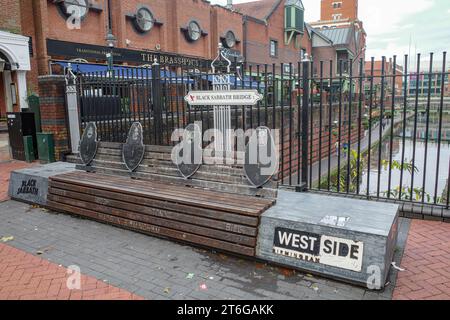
[222,98]
[72,109]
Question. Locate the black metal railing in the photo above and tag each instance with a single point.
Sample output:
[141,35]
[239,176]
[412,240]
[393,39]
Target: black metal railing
[365,132]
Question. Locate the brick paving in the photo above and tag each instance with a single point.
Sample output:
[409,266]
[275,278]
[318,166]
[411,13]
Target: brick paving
[427,263]
[27,277]
[7,165]
[4,147]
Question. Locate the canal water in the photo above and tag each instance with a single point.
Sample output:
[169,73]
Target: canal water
[405,146]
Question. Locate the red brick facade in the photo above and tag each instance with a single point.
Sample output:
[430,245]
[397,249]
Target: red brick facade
[329,9]
[10,16]
[53,112]
[42,20]
[263,23]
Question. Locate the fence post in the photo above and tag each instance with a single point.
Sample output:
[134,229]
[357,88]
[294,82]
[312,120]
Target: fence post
[305,123]
[157,107]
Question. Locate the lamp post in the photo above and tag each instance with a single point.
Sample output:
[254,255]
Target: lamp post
[110,41]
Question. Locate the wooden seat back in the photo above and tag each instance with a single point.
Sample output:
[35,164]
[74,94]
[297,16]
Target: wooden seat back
[157,165]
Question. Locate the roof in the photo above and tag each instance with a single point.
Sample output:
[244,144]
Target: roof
[261,9]
[318,32]
[297,3]
[339,36]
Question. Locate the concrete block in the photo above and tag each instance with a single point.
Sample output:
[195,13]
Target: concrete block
[347,239]
[31,185]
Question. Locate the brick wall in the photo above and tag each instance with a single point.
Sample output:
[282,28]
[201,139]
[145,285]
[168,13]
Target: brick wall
[53,112]
[10,16]
[348,9]
[258,39]
[319,136]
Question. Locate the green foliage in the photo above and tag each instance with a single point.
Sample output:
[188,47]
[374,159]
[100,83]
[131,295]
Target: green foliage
[398,192]
[397,165]
[353,180]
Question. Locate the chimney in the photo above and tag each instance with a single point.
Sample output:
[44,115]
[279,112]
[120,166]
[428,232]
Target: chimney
[230,4]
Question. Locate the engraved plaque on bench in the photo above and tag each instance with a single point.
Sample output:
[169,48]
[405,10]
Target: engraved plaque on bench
[133,149]
[88,143]
[261,160]
[188,155]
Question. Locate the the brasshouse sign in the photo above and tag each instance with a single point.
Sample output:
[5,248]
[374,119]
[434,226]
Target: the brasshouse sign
[310,247]
[88,51]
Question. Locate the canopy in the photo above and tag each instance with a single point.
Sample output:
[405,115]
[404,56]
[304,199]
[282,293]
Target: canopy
[124,71]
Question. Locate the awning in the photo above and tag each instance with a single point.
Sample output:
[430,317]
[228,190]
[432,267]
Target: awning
[124,72]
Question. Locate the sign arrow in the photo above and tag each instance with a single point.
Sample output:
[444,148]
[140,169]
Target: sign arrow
[223,98]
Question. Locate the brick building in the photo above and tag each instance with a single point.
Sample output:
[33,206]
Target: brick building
[178,32]
[338,10]
[274,31]
[14,66]
[339,40]
[389,80]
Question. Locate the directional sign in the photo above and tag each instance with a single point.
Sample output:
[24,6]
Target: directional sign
[223,98]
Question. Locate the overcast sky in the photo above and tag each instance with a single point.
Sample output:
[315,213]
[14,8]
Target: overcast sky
[392,24]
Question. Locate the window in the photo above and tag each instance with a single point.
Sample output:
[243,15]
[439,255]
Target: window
[76,8]
[194,31]
[144,20]
[302,54]
[273,48]
[337,16]
[336,5]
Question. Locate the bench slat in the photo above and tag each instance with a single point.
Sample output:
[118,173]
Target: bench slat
[154,230]
[153,219]
[241,201]
[157,212]
[202,212]
[98,183]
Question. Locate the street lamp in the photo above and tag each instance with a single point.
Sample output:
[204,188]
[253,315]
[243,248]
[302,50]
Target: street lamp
[110,41]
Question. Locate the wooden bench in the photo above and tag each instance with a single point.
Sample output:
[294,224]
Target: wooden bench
[216,208]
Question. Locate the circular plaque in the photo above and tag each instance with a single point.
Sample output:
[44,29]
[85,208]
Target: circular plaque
[261,160]
[88,143]
[133,150]
[188,155]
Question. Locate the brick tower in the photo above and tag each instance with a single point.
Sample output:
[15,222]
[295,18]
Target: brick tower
[339,10]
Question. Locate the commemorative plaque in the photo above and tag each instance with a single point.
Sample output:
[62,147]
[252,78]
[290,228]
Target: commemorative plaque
[133,149]
[88,143]
[261,161]
[188,156]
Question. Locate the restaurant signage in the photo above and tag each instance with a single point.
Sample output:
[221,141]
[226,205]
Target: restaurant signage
[88,51]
